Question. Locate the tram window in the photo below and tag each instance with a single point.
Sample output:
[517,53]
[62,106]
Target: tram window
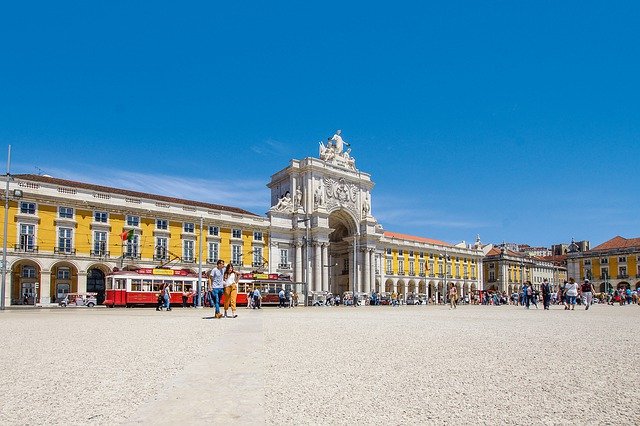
[146,285]
[177,286]
[109,285]
[120,283]
[157,285]
[188,286]
[136,285]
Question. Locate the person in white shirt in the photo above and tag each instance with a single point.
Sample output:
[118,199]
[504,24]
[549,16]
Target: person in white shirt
[571,292]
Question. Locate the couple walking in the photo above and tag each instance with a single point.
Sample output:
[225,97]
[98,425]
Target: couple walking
[224,281]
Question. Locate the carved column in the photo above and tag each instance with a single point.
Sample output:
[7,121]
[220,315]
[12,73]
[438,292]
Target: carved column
[325,267]
[317,267]
[298,271]
[366,273]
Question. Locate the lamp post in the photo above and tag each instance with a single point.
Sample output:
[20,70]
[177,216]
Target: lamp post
[306,266]
[330,272]
[198,303]
[4,234]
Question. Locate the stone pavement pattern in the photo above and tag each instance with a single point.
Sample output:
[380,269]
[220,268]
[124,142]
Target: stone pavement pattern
[373,365]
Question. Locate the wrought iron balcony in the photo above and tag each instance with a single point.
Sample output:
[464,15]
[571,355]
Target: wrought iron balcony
[131,256]
[188,260]
[622,276]
[99,253]
[212,261]
[158,256]
[284,266]
[27,248]
[64,250]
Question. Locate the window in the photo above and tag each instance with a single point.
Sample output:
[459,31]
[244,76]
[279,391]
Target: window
[236,255]
[214,230]
[400,252]
[622,272]
[27,208]
[457,270]
[65,239]
[100,217]
[604,260]
[162,224]
[188,250]
[28,272]
[412,268]
[161,252]
[257,256]
[64,273]
[27,237]
[466,271]
[492,265]
[257,235]
[431,267]
[133,220]
[345,266]
[189,227]
[492,276]
[99,243]
[236,233]
[587,262]
[65,212]
[605,273]
[388,251]
[401,267]
[284,258]
[131,247]
[421,268]
[212,252]
[421,254]
[389,267]
[411,253]
[473,271]
[622,259]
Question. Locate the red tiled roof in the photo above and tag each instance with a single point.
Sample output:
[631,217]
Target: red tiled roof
[389,234]
[618,242]
[126,192]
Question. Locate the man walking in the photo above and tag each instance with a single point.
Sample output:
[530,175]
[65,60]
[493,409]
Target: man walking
[546,294]
[217,285]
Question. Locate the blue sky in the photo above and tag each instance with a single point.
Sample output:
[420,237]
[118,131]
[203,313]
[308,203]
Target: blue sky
[515,120]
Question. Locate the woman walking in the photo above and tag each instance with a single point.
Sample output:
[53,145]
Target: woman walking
[167,296]
[570,293]
[453,296]
[230,290]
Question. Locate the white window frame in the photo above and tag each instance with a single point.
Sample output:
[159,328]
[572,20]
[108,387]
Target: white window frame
[189,227]
[98,216]
[214,230]
[67,237]
[257,235]
[25,207]
[188,250]
[213,252]
[65,212]
[132,220]
[26,239]
[161,248]
[236,255]
[99,243]
[284,259]
[162,224]
[236,233]
[257,256]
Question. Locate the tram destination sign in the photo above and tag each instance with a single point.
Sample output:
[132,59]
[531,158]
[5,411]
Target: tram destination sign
[158,271]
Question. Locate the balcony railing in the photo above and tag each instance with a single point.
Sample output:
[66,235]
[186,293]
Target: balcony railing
[389,272]
[158,256]
[284,266]
[212,261]
[131,256]
[622,276]
[27,248]
[256,264]
[64,250]
[99,253]
[188,259]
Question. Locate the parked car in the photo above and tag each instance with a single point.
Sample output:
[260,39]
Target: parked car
[79,299]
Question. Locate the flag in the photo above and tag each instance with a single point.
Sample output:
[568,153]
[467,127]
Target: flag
[126,235]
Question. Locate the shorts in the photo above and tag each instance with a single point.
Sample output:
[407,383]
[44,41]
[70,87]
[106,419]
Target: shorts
[570,300]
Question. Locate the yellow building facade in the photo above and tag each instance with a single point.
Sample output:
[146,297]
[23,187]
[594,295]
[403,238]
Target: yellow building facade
[65,236]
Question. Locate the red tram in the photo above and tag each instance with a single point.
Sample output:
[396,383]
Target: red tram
[141,287]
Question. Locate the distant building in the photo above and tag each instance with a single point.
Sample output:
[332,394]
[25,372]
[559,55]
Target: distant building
[561,249]
[612,264]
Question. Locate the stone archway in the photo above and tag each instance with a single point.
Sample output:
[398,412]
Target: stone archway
[64,279]
[25,279]
[342,228]
[96,281]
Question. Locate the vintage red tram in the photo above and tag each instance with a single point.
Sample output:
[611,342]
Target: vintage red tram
[142,286]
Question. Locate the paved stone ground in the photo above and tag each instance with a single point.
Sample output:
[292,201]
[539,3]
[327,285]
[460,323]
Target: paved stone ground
[374,365]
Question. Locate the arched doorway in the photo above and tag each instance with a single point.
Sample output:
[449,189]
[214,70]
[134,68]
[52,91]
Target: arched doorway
[25,276]
[340,253]
[64,280]
[96,283]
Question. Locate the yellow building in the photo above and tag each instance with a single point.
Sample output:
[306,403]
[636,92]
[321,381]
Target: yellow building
[65,236]
[613,264]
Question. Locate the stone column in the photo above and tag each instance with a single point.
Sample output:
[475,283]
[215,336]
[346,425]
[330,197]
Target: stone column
[372,262]
[366,273]
[82,282]
[325,267]
[45,287]
[298,259]
[317,267]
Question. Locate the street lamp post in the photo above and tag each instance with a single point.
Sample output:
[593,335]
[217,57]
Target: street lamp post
[4,234]
[198,303]
[306,266]
[330,272]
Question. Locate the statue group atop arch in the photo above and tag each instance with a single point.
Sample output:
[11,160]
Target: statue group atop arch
[334,152]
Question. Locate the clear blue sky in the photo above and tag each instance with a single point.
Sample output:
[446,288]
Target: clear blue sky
[516,120]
